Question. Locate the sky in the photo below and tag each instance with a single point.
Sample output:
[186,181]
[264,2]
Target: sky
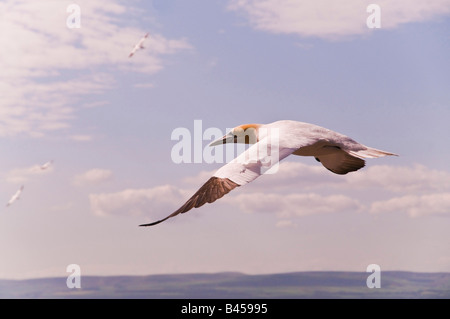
[70,93]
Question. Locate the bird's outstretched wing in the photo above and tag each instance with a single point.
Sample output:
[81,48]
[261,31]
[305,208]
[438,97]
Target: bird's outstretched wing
[255,161]
[139,45]
[132,52]
[46,165]
[341,161]
[15,197]
[212,190]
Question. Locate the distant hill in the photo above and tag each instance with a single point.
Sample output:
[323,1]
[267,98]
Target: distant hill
[394,284]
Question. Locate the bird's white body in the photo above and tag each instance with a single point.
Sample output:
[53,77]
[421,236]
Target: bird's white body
[275,141]
[138,46]
[309,139]
[15,197]
[271,143]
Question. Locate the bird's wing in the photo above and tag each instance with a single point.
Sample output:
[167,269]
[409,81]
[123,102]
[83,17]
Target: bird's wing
[140,45]
[46,165]
[339,161]
[262,157]
[344,160]
[255,161]
[212,190]
[17,194]
[133,51]
[14,198]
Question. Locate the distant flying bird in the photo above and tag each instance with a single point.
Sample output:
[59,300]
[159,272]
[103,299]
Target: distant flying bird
[46,165]
[138,46]
[15,197]
[273,142]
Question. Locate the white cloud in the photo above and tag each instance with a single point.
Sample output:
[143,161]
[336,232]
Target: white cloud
[402,178]
[22,175]
[285,223]
[294,204]
[93,176]
[136,202]
[415,205]
[81,138]
[414,178]
[44,63]
[298,190]
[333,19]
[32,107]
[416,190]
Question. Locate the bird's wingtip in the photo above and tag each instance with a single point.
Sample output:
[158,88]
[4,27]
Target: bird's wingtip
[151,224]
[157,222]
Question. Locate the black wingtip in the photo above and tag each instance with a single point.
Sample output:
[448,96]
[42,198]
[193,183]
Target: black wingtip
[152,224]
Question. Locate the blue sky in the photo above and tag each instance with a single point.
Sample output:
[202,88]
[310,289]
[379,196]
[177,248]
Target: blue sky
[74,96]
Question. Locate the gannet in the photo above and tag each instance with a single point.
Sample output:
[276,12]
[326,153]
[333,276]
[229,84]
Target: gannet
[271,143]
[138,46]
[46,165]
[15,197]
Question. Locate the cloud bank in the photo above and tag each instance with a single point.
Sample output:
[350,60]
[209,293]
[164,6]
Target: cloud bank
[333,19]
[24,174]
[135,202]
[93,176]
[47,66]
[299,190]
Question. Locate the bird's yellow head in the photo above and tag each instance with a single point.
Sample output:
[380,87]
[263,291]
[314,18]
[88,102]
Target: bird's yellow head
[246,133]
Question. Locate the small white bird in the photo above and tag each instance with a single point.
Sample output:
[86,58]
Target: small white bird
[272,142]
[46,165]
[15,197]
[138,46]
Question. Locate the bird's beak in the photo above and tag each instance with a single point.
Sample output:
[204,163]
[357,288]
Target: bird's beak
[229,138]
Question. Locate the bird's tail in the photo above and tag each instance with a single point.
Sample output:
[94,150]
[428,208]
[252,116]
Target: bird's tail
[370,152]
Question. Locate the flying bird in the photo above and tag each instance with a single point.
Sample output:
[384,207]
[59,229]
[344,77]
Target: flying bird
[46,165]
[138,46]
[271,143]
[15,197]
